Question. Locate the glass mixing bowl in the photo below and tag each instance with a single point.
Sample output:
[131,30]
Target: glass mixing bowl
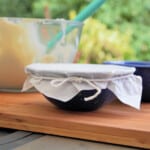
[27,40]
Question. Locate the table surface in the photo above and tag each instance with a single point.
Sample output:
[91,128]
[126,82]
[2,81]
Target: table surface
[115,123]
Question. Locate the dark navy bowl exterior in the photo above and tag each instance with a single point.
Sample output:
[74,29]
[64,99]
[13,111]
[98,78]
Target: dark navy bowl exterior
[78,103]
[143,70]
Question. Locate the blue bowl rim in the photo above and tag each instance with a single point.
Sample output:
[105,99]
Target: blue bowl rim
[140,64]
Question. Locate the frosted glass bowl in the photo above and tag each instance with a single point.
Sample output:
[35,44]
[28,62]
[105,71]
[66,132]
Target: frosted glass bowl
[27,40]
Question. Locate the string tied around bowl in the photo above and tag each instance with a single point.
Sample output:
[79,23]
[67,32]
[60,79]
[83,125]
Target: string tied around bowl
[61,81]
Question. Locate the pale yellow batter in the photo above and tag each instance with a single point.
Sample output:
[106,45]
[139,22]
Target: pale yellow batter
[20,45]
[17,49]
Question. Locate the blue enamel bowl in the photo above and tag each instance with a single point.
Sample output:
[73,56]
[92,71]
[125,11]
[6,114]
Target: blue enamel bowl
[143,70]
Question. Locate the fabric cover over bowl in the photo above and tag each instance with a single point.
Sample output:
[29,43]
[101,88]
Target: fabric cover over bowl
[84,86]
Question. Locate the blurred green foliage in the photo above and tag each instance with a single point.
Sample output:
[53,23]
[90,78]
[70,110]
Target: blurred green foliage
[16,8]
[118,30]
[130,15]
[58,8]
[98,43]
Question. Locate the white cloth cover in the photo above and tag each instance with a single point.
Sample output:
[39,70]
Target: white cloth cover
[64,81]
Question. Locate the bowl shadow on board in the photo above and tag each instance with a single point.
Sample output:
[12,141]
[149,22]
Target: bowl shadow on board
[77,103]
[143,70]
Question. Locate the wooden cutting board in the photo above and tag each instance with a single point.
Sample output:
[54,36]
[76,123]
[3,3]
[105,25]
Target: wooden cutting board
[114,123]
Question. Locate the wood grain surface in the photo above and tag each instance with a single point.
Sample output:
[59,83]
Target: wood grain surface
[114,123]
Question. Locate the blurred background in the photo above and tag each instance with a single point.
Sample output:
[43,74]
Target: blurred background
[119,30]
